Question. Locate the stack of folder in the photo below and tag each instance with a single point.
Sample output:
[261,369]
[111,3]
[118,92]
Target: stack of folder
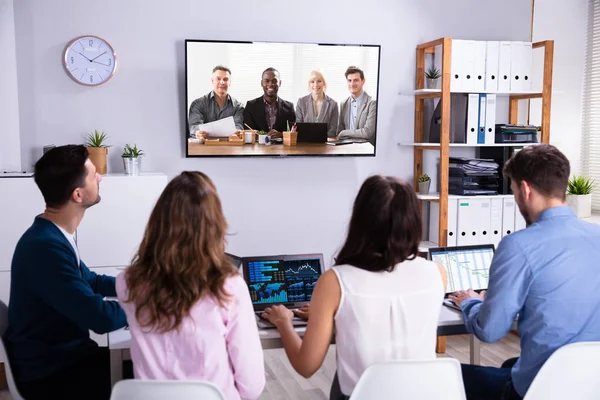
[472,176]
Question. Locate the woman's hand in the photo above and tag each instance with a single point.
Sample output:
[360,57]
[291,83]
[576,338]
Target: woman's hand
[278,315]
[303,312]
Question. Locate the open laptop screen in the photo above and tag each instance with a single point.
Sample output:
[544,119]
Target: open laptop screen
[468,267]
[288,280]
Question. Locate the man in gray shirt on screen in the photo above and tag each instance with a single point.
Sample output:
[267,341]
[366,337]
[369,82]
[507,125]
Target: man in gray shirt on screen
[216,105]
[358,114]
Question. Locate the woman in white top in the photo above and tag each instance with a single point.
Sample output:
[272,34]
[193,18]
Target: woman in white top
[381,300]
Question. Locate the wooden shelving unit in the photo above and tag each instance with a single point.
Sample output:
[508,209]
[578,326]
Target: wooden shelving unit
[444,146]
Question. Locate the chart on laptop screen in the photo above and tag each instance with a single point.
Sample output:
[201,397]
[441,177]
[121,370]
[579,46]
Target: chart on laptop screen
[301,277]
[267,282]
[466,269]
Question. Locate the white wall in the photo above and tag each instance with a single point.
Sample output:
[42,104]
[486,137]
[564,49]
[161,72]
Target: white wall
[565,22]
[10,154]
[272,205]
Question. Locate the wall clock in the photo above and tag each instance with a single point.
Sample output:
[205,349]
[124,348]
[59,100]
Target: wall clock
[90,60]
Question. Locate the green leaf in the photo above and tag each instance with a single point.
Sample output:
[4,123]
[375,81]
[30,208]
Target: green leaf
[132,152]
[423,178]
[432,73]
[96,139]
[580,185]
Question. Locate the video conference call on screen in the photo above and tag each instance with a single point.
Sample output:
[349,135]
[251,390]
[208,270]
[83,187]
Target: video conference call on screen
[282,281]
[280,99]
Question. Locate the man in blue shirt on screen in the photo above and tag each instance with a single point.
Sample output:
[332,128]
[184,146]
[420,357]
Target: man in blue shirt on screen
[547,274]
[216,105]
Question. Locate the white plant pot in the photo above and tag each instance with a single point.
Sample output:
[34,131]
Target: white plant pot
[581,204]
[431,83]
[424,187]
[132,165]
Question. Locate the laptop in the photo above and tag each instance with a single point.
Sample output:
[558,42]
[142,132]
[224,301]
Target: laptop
[235,260]
[312,132]
[468,267]
[284,279]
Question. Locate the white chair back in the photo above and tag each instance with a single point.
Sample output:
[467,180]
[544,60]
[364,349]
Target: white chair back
[428,379]
[571,372]
[12,386]
[137,389]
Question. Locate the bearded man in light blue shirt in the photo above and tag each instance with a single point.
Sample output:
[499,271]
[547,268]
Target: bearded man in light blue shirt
[548,274]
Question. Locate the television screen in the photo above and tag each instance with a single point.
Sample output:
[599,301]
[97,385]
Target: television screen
[280,99]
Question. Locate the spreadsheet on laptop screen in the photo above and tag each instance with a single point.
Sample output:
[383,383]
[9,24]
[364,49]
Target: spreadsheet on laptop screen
[466,269]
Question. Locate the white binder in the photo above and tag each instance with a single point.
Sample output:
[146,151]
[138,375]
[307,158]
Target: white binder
[527,66]
[479,62]
[456,67]
[485,221]
[434,222]
[468,221]
[468,50]
[504,53]
[496,206]
[472,118]
[490,119]
[519,220]
[491,66]
[521,63]
[508,216]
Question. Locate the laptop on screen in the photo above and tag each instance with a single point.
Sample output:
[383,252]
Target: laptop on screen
[312,132]
[467,267]
[288,280]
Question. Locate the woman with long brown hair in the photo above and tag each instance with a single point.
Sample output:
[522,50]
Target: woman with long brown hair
[382,299]
[189,311]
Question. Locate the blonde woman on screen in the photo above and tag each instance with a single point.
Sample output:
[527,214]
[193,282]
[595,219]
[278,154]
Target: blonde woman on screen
[317,106]
[380,299]
[189,310]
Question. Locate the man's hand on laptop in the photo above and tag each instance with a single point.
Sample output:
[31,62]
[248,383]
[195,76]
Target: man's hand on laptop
[303,312]
[461,295]
[277,315]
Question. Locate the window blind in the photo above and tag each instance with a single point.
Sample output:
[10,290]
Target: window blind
[591,102]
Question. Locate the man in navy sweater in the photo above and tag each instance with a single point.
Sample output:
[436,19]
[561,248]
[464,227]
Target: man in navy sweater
[54,298]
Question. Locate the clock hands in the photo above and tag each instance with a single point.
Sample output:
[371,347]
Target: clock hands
[84,57]
[98,56]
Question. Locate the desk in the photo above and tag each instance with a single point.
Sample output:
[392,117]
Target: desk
[119,342]
[197,149]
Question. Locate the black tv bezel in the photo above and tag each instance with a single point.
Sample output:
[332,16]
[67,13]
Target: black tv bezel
[186,125]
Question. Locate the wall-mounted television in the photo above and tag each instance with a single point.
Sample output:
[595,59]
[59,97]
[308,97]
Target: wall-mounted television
[269,99]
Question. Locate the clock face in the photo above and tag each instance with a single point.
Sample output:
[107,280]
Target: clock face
[90,60]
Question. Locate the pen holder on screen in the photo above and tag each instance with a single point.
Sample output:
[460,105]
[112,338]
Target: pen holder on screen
[249,136]
[290,138]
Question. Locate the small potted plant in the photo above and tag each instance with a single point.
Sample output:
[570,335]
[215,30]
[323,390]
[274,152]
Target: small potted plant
[263,137]
[579,195]
[97,149]
[424,182]
[132,159]
[432,75]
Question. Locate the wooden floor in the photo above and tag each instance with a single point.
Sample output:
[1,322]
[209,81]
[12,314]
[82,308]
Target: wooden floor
[284,383]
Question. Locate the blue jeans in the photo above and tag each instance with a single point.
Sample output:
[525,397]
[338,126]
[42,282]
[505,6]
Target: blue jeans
[489,383]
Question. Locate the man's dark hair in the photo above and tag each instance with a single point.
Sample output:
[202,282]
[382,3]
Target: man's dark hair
[221,68]
[270,69]
[354,70]
[60,171]
[543,167]
[385,227]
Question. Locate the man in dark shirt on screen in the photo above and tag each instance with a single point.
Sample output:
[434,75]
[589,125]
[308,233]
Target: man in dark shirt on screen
[216,105]
[270,113]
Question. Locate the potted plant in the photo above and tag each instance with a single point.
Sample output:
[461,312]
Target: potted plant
[97,149]
[132,159]
[579,195]
[263,137]
[432,75]
[424,182]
